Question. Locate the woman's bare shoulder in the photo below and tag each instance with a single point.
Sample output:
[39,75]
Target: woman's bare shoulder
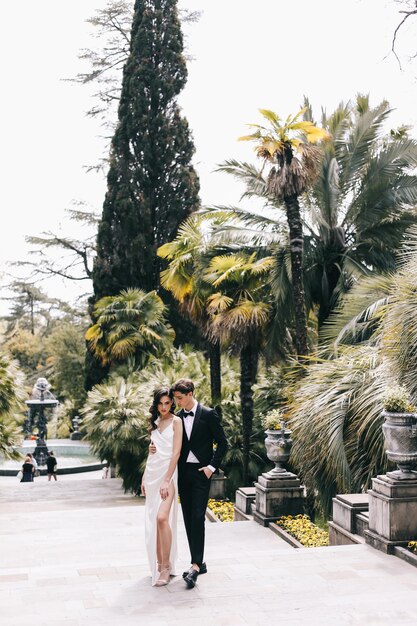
[177,420]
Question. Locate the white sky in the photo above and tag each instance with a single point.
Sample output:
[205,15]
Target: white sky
[248,55]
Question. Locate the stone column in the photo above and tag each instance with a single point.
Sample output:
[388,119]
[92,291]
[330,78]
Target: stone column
[392,512]
[277,495]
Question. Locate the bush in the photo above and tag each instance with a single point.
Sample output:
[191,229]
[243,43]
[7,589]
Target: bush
[273,420]
[412,546]
[223,509]
[396,399]
[302,528]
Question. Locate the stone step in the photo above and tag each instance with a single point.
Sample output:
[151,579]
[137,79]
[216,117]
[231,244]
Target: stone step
[83,564]
[42,495]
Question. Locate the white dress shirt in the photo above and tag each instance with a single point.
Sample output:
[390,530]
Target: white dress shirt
[188,426]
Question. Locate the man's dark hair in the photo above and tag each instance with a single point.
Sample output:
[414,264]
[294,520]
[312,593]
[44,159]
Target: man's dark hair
[183,385]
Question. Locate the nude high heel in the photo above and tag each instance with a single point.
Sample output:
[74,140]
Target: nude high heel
[163,577]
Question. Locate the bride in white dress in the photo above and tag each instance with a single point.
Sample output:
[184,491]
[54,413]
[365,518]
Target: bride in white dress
[160,486]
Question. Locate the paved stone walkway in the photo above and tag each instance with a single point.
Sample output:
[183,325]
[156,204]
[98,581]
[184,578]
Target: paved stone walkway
[72,554]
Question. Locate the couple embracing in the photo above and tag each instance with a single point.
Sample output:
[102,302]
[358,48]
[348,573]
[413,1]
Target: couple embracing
[181,461]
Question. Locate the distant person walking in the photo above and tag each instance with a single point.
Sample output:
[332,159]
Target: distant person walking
[28,470]
[52,465]
[35,464]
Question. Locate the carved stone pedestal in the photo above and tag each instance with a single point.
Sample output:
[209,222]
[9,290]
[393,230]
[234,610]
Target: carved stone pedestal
[277,495]
[392,513]
[350,519]
[218,486]
[244,500]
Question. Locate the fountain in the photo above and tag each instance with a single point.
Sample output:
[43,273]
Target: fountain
[74,455]
[42,398]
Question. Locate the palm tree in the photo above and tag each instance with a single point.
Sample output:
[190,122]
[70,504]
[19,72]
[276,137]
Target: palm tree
[129,328]
[239,313]
[115,425]
[335,416]
[398,335]
[336,411]
[362,203]
[354,216]
[185,362]
[233,461]
[12,394]
[183,277]
[287,146]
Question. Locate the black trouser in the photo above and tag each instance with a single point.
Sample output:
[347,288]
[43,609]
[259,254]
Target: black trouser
[193,488]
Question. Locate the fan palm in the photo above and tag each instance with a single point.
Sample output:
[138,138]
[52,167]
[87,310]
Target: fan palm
[115,425]
[130,326]
[239,313]
[287,147]
[12,394]
[354,216]
[184,279]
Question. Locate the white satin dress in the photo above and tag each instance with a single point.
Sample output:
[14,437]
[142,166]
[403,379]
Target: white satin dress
[155,472]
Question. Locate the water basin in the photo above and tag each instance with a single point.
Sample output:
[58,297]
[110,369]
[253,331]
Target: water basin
[71,456]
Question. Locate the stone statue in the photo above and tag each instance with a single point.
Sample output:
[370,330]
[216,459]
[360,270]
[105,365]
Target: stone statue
[41,389]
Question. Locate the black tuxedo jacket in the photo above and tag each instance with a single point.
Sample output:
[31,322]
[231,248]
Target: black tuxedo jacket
[206,431]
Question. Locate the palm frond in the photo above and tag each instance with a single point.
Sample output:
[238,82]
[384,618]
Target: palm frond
[354,150]
[339,404]
[250,175]
[359,312]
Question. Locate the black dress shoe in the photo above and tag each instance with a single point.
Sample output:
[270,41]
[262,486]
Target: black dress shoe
[203,570]
[191,578]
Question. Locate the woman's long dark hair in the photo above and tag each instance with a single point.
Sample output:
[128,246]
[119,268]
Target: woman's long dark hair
[157,395]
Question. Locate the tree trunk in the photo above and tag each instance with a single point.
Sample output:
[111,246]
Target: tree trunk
[336,248]
[296,250]
[248,368]
[215,374]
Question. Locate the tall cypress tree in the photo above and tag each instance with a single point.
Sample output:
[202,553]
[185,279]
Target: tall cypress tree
[152,186]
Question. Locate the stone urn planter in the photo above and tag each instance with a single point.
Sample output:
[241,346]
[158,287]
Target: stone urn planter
[277,492]
[278,447]
[278,441]
[400,432]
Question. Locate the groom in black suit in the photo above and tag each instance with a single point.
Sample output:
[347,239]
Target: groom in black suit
[197,463]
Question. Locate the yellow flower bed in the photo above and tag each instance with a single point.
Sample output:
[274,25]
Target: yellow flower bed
[223,509]
[302,528]
[412,546]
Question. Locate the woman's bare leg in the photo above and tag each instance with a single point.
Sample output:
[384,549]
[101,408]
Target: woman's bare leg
[158,550]
[164,533]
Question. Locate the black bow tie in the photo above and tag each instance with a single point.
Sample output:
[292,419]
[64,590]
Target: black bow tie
[185,414]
